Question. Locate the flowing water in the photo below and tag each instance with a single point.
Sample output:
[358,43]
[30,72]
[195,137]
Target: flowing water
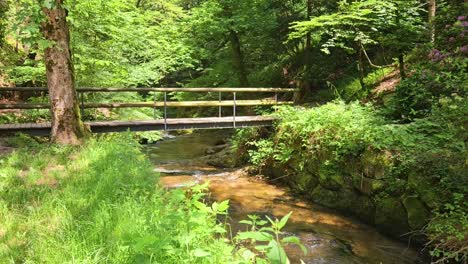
[329,236]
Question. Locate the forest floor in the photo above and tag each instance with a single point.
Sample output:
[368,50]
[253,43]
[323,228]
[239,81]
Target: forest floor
[388,84]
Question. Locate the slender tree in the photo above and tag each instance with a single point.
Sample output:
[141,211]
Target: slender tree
[308,54]
[3,20]
[431,15]
[67,127]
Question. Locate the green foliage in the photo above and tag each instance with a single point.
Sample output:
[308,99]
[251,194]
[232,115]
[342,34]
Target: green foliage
[349,88]
[100,204]
[416,96]
[267,240]
[448,231]
[362,22]
[335,142]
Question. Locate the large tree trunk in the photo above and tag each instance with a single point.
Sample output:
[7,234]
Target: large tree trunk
[431,15]
[67,127]
[238,59]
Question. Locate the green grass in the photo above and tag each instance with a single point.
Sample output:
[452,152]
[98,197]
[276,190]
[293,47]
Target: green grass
[100,203]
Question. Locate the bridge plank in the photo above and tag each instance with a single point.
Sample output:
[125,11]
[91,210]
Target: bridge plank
[43,129]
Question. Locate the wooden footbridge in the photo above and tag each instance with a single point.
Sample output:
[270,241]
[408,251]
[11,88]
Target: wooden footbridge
[164,123]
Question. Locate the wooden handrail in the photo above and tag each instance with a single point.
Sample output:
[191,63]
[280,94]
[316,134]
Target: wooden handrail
[264,102]
[159,104]
[114,90]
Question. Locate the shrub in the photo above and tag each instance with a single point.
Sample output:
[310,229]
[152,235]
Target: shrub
[330,142]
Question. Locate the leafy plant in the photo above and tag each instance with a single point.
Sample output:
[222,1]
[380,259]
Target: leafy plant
[267,240]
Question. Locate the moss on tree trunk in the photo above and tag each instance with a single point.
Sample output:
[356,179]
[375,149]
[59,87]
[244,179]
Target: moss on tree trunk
[67,127]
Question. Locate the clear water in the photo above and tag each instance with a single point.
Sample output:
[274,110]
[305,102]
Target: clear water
[329,236]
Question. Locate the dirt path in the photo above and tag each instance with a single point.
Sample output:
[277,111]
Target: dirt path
[388,84]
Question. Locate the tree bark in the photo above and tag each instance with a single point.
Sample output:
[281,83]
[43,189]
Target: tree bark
[401,63]
[238,59]
[3,21]
[308,53]
[138,3]
[401,55]
[361,67]
[431,15]
[67,127]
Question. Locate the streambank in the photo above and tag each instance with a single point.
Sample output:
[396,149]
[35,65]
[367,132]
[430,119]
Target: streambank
[329,236]
[408,180]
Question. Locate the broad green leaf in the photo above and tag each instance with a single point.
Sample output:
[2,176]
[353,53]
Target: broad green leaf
[276,254]
[296,241]
[284,220]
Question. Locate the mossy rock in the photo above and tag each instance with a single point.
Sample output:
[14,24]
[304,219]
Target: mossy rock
[330,179]
[273,169]
[391,216]
[375,164]
[345,200]
[304,182]
[222,159]
[425,189]
[417,213]
[367,186]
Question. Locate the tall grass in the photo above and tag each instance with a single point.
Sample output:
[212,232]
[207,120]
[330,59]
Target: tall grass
[100,203]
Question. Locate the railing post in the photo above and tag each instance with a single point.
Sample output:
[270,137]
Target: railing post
[234,110]
[220,107]
[81,96]
[165,111]
[154,108]
[276,101]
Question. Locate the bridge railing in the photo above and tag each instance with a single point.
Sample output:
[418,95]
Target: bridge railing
[164,103]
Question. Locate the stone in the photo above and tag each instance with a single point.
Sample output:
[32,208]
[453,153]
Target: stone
[391,217]
[375,165]
[329,179]
[417,213]
[304,182]
[222,159]
[425,189]
[367,186]
[345,200]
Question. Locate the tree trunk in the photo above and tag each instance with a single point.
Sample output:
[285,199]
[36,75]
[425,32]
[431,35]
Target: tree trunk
[308,55]
[67,127]
[138,3]
[431,15]
[238,56]
[3,21]
[361,67]
[401,62]
[401,56]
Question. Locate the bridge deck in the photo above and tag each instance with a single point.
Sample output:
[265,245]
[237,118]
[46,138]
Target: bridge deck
[43,129]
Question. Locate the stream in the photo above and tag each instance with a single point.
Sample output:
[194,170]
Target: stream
[328,236]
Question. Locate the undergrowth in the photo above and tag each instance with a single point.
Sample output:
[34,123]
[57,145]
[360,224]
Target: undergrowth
[101,203]
[332,141]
